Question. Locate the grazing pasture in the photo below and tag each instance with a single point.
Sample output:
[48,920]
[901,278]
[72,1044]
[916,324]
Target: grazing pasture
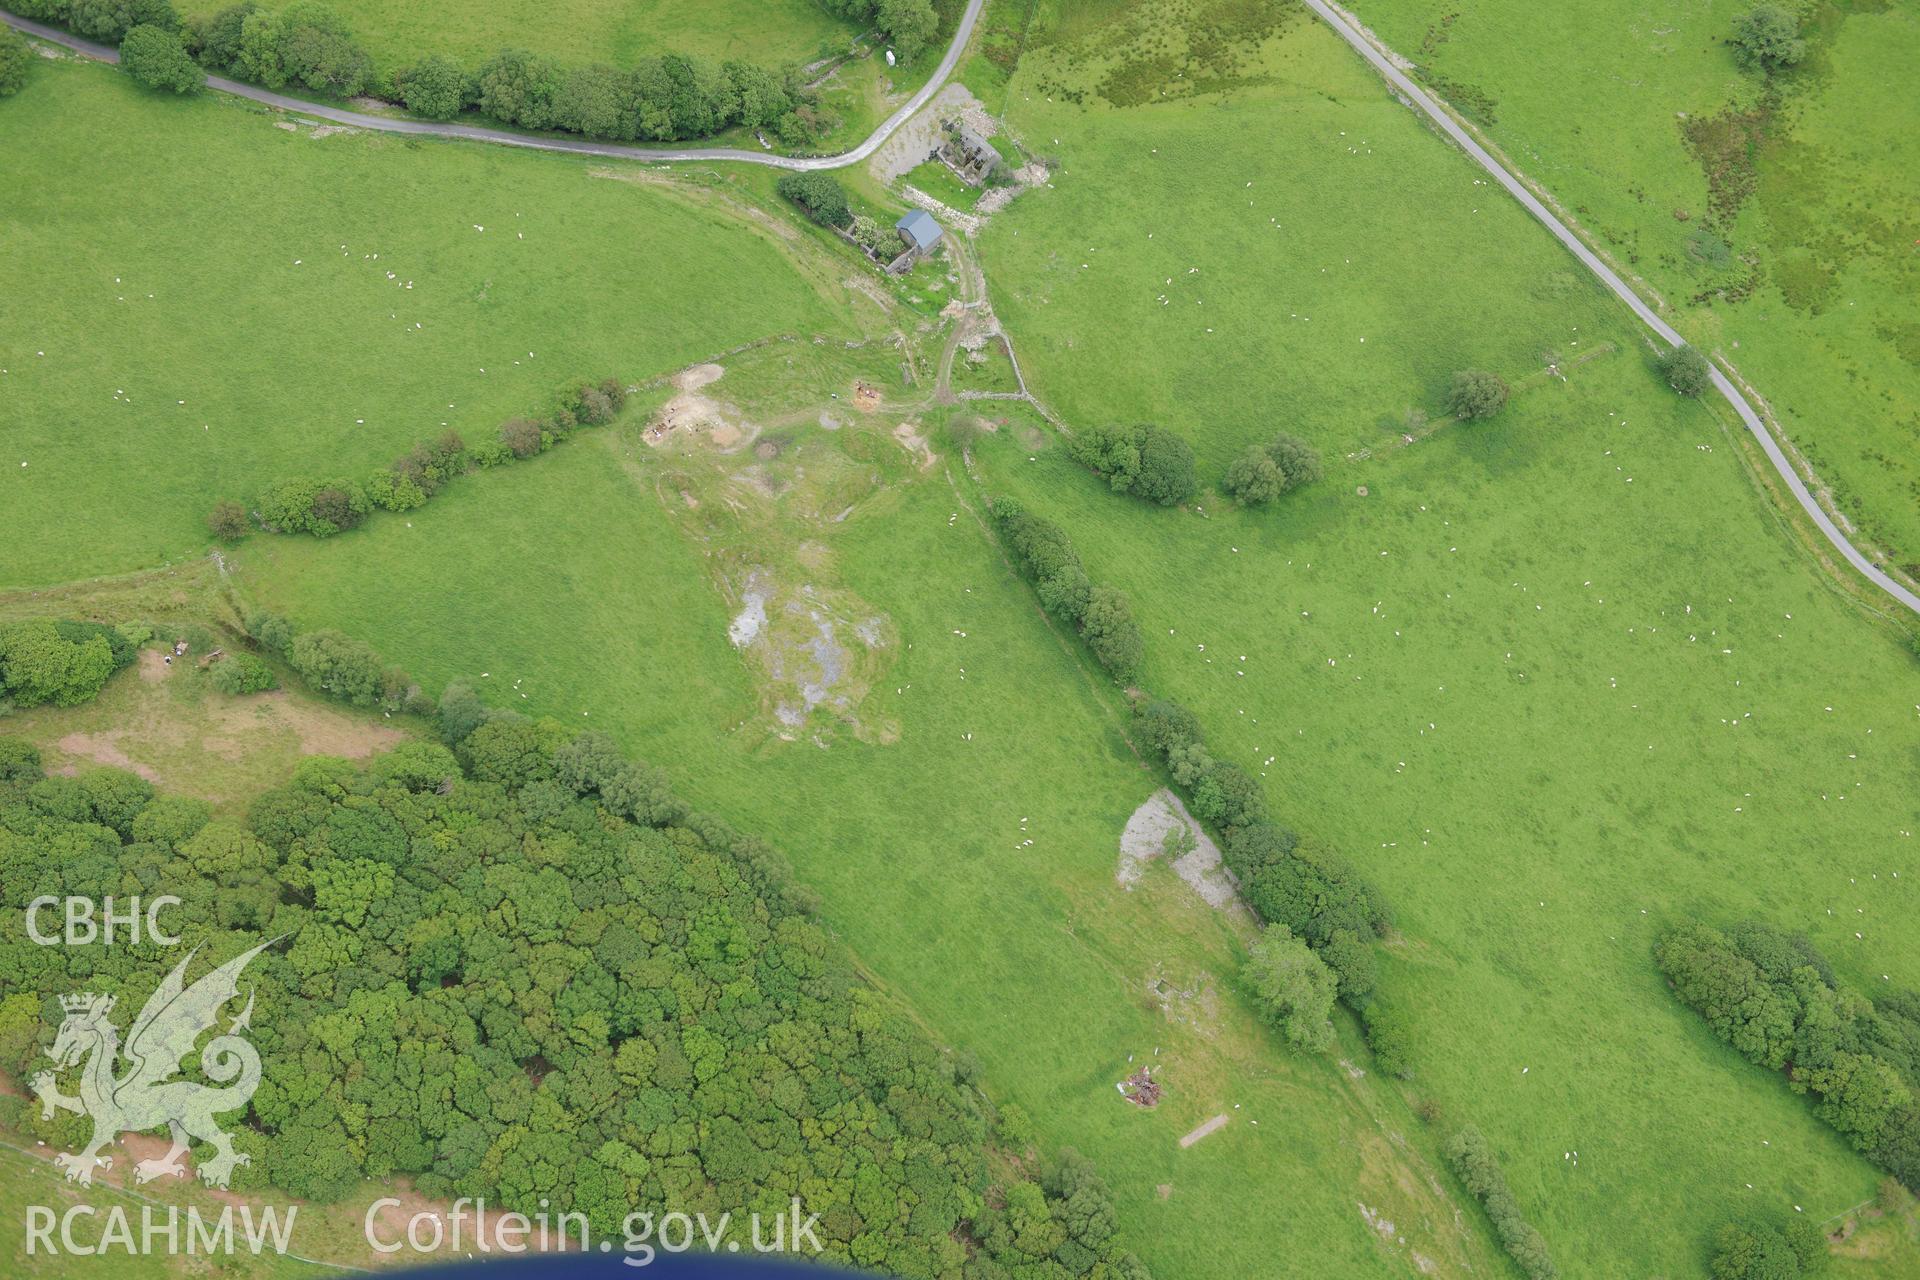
[224,303]
[1551,714]
[1779,218]
[1553,679]
[1296,256]
[965,842]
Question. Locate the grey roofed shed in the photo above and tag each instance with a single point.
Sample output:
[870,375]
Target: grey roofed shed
[919,230]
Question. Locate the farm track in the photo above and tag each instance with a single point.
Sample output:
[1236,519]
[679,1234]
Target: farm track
[1385,62]
[507,137]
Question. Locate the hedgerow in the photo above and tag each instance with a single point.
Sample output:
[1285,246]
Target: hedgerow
[306,45]
[1473,1161]
[1300,883]
[324,507]
[1102,616]
[1775,999]
[335,665]
[823,199]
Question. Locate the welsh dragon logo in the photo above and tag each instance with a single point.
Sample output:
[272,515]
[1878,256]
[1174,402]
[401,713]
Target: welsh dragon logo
[145,1097]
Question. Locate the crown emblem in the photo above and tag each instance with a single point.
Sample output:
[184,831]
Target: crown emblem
[84,1001]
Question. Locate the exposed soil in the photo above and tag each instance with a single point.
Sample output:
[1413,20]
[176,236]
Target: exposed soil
[1208,1129]
[104,748]
[1162,824]
[813,649]
[698,416]
[915,140]
[910,438]
[698,376]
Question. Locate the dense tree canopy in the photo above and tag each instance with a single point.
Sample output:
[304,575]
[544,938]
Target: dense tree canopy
[1476,394]
[1686,370]
[108,21]
[156,58]
[1767,38]
[1771,996]
[1292,986]
[1147,461]
[63,663]
[305,45]
[432,87]
[1761,1251]
[521,969]
[908,25]
[824,200]
[16,59]
[1266,471]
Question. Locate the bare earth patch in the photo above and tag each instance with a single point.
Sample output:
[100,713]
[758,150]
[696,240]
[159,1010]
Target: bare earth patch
[1162,825]
[914,442]
[915,140]
[813,648]
[167,728]
[698,416]
[104,748]
[1208,1129]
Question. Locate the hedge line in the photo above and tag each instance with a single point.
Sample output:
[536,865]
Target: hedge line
[1298,882]
[1302,884]
[335,665]
[1046,558]
[324,507]
[1775,999]
[306,45]
[1473,1160]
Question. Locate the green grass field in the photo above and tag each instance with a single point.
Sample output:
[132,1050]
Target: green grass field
[1216,289]
[1028,955]
[772,33]
[1483,682]
[1554,681]
[1592,100]
[216,260]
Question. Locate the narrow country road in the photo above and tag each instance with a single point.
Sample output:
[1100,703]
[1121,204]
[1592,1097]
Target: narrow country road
[506,137]
[1406,88]
[1332,16]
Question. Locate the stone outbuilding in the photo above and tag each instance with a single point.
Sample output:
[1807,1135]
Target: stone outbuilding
[971,157]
